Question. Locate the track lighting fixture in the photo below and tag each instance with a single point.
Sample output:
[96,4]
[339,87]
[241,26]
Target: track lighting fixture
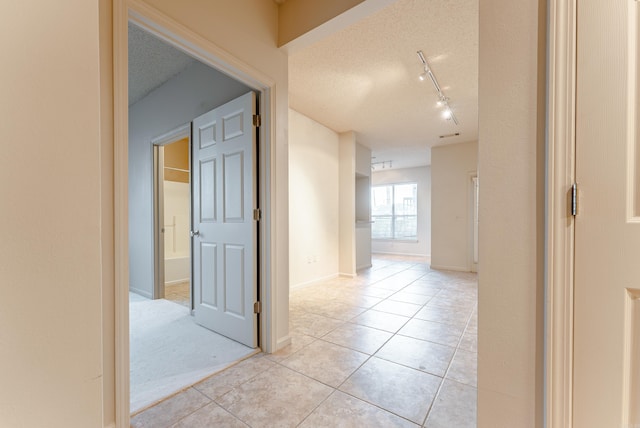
[443,100]
[381,165]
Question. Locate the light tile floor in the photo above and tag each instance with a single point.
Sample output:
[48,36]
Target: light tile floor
[394,347]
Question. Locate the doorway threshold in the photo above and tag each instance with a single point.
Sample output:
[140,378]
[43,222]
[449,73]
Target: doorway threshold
[170,352]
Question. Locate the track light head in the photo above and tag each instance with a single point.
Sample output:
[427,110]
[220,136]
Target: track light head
[443,101]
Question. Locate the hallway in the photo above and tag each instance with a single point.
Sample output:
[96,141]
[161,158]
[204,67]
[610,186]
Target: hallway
[395,346]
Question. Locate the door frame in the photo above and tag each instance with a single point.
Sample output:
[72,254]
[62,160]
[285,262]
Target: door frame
[560,229]
[473,230]
[158,143]
[212,55]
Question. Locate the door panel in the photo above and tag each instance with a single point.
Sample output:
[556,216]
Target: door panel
[225,251]
[607,231]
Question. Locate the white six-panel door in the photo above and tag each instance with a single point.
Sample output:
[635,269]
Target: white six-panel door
[606,387]
[224,231]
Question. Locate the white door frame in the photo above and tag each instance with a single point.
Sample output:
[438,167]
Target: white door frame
[207,52]
[559,239]
[472,263]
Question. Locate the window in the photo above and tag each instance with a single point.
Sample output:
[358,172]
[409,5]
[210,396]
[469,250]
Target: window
[394,211]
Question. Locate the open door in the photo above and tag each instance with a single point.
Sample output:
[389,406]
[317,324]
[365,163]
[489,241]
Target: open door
[606,378]
[224,229]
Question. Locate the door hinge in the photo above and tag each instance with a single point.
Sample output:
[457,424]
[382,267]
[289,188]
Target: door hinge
[257,121]
[574,199]
[257,307]
[257,214]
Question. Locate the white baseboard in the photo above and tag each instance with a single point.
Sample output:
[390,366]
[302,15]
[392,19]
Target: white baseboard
[176,281]
[451,268]
[314,281]
[141,292]
[389,253]
[347,275]
[282,342]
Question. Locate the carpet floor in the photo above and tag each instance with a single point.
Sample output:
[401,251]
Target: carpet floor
[170,352]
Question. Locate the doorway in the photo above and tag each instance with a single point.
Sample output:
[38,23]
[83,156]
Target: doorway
[172,213]
[164,335]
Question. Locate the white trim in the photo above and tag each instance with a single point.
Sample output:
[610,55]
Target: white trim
[176,281]
[559,254]
[177,133]
[347,275]
[285,341]
[121,210]
[391,253]
[471,199]
[632,110]
[157,179]
[451,268]
[207,52]
[315,281]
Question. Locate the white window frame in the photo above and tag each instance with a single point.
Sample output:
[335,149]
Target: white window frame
[393,213]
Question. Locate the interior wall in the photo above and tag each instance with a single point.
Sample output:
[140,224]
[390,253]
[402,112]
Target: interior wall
[191,93]
[452,167]
[300,16]
[347,200]
[176,161]
[314,201]
[177,198]
[421,176]
[511,170]
[52,185]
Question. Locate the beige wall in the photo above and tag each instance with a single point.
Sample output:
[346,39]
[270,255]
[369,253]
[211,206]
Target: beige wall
[347,200]
[304,22]
[58,353]
[313,206]
[452,167]
[53,183]
[297,17]
[176,161]
[511,171]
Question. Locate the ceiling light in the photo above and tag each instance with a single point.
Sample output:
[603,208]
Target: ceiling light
[443,101]
[381,165]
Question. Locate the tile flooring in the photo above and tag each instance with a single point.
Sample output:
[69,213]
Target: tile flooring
[394,347]
[179,293]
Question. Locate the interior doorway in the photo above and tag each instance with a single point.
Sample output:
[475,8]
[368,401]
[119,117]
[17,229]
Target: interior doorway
[169,347]
[172,213]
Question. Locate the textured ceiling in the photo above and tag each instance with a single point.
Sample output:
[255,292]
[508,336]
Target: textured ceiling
[151,63]
[365,78]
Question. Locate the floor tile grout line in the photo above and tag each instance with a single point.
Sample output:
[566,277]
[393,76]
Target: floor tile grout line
[342,322]
[435,398]
[371,356]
